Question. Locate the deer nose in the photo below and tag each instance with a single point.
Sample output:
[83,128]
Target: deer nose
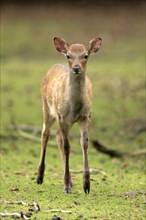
[76,69]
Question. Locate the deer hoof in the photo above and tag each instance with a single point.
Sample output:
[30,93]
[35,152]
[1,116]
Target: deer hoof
[86,187]
[67,191]
[40,180]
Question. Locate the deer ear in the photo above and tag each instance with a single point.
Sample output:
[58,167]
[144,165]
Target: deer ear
[94,45]
[60,45]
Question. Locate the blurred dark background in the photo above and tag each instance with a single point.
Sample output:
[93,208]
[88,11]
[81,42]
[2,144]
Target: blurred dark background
[76,3]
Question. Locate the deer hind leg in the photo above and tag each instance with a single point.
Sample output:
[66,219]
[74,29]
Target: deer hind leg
[48,121]
[60,144]
[62,148]
[84,127]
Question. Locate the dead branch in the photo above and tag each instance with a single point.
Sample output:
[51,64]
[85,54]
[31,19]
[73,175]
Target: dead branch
[35,207]
[20,215]
[34,130]
[112,153]
[28,136]
[94,171]
[59,210]
[19,203]
[34,204]
[23,132]
[28,128]
[31,137]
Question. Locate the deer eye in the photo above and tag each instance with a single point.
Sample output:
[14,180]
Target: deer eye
[68,57]
[85,56]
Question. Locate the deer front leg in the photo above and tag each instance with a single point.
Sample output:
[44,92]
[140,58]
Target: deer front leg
[67,177]
[63,142]
[61,148]
[84,127]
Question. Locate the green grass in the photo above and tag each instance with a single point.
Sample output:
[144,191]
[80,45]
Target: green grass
[118,76]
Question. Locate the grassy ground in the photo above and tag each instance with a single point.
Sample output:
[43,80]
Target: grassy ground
[117,73]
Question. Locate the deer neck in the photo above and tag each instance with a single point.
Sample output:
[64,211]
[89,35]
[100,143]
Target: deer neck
[76,92]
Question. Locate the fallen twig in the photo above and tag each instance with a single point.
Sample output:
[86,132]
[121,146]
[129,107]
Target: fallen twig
[35,208]
[19,203]
[94,171]
[15,215]
[59,210]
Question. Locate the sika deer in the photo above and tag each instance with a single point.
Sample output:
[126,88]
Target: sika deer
[67,97]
